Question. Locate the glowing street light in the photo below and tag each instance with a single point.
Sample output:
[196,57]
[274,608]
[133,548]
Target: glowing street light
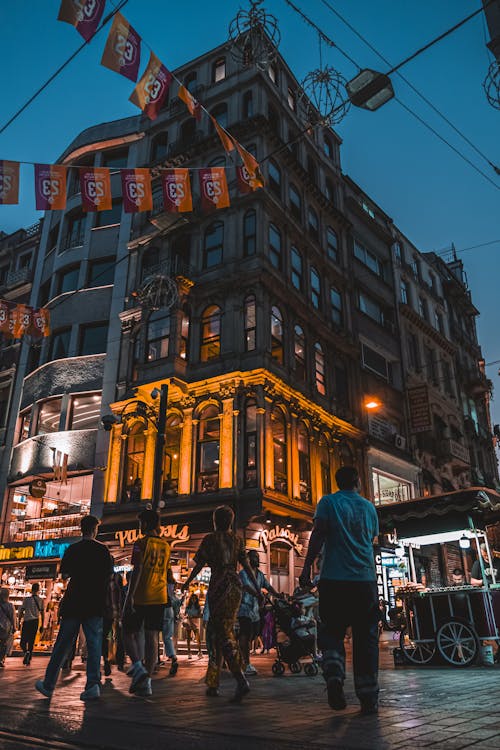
[372,404]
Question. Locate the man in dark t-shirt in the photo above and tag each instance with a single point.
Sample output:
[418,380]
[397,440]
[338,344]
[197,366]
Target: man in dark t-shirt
[476,576]
[89,566]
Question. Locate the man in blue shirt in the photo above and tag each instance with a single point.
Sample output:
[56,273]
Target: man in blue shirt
[345,525]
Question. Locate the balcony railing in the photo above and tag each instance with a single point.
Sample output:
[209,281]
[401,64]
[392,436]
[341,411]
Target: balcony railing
[21,276]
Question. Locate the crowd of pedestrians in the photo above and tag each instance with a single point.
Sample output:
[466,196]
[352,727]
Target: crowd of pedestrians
[238,616]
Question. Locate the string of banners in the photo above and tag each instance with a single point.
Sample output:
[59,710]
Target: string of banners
[18,320]
[137,192]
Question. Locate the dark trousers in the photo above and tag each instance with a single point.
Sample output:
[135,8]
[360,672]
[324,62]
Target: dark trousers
[28,635]
[107,627]
[354,603]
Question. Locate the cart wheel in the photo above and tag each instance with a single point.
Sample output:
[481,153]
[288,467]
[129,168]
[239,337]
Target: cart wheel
[310,669]
[457,643]
[295,667]
[416,652]
[278,668]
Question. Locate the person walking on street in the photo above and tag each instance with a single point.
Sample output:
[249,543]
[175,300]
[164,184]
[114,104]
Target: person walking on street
[346,524]
[7,624]
[30,612]
[191,623]
[249,611]
[221,551]
[170,617]
[111,616]
[145,602]
[89,566]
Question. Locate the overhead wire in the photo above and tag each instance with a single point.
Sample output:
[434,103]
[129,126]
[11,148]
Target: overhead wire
[410,84]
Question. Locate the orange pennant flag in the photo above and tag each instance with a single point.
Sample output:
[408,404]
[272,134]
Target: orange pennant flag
[136,190]
[150,92]
[227,140]
[9,182]
[50,187]
[177,191]
[213,188]
[252,167]
[193,106]
[40,325]
[122,52]
[95,185]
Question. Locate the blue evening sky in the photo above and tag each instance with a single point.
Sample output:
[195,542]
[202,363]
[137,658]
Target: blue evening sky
[433,196]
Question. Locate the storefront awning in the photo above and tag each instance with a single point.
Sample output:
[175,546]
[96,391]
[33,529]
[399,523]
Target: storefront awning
[440,513]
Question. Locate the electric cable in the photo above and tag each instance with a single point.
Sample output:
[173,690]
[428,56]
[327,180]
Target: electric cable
[62,67]
[410,85]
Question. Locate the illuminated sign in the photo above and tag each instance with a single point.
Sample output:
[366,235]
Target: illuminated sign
[172,534]
[51,548]
[16,553]
[39,550]
[279,533]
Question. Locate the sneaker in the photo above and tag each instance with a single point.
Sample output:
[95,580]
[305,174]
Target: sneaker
[25,658]
[250,670]
[138,678]
[145,689]
[91,693]
[42,689]
[28,658]
[336,697]
[174,667]
[107,668]
[369,707]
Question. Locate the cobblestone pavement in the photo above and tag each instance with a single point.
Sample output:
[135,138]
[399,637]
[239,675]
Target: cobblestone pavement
[437,708]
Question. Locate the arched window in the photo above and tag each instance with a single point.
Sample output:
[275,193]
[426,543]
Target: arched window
[315,288]
[296,269]
[220,114]
[278,426]
[250,323]
[304,464]
[249,233]
[276,335]
[134,464]
[184,340]
[251,443]
[328,148]
[313,223]
[210,333]
[247,104]
[272,72]
[219,70]
[208,450]
[191,81]
[158,336]
[295,203]
[299,351]
[319,369]
[171,457]
[187,132]
[159,146]
[213,244]
[274,173]
[275,247]
[332,244]
[324,459]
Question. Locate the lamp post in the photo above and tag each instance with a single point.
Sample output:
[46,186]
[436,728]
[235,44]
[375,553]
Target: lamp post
[160,446]
[370,89]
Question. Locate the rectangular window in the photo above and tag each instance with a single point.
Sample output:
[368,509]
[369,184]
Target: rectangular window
[111,217]
[25,423]
[368,209]
[59,346]
[371,308]
[93,339]
[250,324]
[296,263]
[158,336]
[315,289]
[184,343]
[313,223]
[275,247]
[68,280]
[332,244]
[85,411]
[413,352]
[438,322]
[292,102]
[219,70]
[404,292]
[375,362]
[447,378]
[116,159]
[430,364]
[295,203]
[336,305]
[75,230]
[274,174]
[423,309]
[101,272]
[369,259]
[49,416]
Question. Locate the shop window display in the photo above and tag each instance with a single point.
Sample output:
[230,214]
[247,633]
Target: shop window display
[49,416]
[280,451]
[171,461]
[251,444]
[208,450]
[85,411]
[304,465]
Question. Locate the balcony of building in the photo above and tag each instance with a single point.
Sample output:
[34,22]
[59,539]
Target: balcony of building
[453,453]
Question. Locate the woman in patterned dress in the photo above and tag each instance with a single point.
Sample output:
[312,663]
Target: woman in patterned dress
[221,551]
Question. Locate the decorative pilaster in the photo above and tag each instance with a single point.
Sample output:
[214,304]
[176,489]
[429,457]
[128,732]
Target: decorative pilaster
[186,453]
[114,469]
[226,465]
[149,461]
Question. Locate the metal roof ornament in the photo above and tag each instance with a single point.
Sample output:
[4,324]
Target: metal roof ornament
[491,84]
[254,36]
[157,292]
[324,96]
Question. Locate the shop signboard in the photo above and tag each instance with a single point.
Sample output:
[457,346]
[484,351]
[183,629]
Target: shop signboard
[420,412]
[36,550]
[38,488]
[280,533]
[172,533]
[41,571]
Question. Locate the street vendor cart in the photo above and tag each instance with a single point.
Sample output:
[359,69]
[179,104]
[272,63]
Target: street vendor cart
[448,623]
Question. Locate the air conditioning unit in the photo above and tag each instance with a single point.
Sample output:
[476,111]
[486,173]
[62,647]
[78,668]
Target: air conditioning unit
[400,442]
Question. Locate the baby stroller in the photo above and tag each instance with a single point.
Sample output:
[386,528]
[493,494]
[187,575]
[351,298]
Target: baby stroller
[295,637]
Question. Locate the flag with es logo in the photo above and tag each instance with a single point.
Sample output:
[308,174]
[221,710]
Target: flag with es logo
[122,52]
[84,15]
[9,182]
[95,185]
[150,92]
[177,191]
[50,187]
[136,190]
[213,188]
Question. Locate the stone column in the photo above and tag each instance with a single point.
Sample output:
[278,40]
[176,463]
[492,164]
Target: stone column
[293,459]
[226,453]
[114,468]
[268,446]
[149,460]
